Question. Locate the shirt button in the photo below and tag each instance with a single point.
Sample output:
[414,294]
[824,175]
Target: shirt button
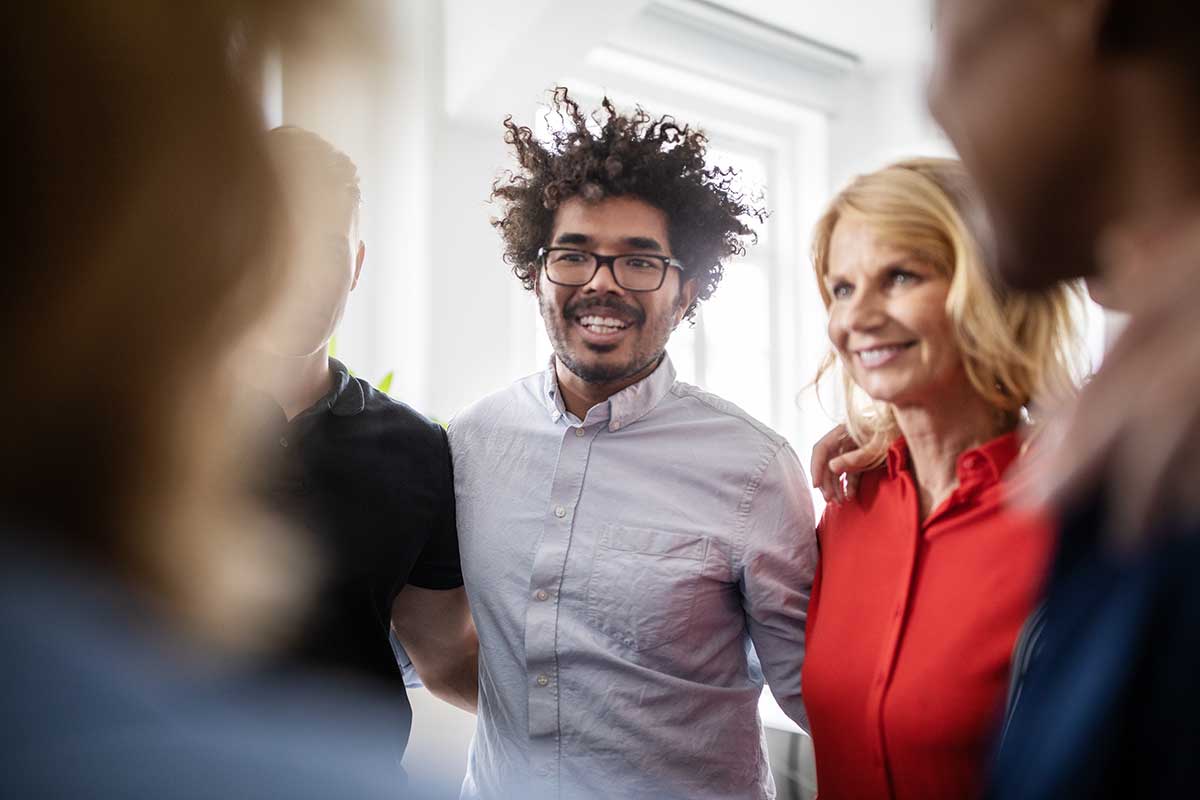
[541,594]
[616,426]
[543,680]
[579,432]
[560,512]
[283,442]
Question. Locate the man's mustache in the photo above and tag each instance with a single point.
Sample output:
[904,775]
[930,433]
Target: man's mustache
[581,307]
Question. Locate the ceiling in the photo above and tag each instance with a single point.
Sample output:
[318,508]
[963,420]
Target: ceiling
[877,31]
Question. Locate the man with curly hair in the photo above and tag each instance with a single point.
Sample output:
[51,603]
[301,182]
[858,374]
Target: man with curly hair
[638,553]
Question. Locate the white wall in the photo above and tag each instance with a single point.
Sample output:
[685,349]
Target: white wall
[883,117]
[480,326]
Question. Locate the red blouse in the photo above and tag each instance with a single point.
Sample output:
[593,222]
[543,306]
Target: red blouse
[911,628]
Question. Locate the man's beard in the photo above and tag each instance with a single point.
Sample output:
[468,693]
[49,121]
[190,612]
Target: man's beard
[558,325]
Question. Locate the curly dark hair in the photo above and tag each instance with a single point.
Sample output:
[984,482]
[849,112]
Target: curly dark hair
[655,160]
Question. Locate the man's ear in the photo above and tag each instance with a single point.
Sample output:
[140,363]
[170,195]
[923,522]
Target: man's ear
[359,257]
[687,295]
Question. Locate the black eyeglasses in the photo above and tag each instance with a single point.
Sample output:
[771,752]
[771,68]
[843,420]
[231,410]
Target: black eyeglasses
[633,272]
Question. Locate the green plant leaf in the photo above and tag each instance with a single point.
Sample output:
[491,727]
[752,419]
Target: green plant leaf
[385,383]
[333,347]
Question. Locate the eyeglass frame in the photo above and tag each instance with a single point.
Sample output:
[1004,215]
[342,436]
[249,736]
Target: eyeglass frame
[611,262]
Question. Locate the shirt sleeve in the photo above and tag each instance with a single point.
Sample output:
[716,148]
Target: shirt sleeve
[779,559]
[438,566]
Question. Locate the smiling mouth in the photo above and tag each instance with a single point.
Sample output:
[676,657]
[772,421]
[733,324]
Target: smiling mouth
[872,357]
[601,325]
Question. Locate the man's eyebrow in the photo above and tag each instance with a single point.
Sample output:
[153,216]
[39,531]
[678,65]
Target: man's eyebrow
[572,238]
[644,243]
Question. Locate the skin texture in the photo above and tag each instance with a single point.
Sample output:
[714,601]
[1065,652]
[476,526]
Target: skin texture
[446,654]
[326,258]
[1010,86]
[327,255]
[592,367]
[884,297]
[836,465]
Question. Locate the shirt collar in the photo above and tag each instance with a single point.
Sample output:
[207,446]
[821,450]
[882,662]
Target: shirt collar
[985,464]
[344,399]
[623,408]
[897,457]
[347,397]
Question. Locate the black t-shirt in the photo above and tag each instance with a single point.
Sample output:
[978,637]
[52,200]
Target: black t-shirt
[370,480]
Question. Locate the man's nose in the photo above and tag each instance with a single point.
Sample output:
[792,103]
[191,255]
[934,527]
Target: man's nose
[604,280]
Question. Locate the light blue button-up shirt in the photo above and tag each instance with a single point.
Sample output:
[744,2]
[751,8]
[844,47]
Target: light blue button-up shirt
[619,569]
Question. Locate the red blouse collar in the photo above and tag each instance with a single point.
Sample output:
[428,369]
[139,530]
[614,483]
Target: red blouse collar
[985,464]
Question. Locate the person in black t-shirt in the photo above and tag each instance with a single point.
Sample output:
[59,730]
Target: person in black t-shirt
[368,478]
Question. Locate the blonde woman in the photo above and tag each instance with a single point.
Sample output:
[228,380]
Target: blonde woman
[926,576]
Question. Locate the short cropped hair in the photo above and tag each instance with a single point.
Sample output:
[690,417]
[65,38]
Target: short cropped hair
[303,158]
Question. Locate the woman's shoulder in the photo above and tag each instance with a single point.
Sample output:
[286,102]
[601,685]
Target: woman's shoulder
[871,499]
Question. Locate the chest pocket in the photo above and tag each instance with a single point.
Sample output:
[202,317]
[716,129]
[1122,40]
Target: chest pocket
[643,585]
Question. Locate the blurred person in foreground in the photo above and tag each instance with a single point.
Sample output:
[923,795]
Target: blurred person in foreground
[366,477]
[927,576]
[638,552]
[140,216]
[1079,121]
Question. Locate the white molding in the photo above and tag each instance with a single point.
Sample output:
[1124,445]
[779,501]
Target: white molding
[747,31]
[708,50]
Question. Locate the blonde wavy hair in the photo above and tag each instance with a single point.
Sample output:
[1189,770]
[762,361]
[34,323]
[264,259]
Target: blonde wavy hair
[1020,350]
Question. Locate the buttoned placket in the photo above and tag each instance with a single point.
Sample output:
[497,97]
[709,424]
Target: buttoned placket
[912,533]
[975,472]
[541,615]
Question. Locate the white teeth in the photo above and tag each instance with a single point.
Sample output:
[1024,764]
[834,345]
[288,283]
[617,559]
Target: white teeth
[601,324]
[878,355]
